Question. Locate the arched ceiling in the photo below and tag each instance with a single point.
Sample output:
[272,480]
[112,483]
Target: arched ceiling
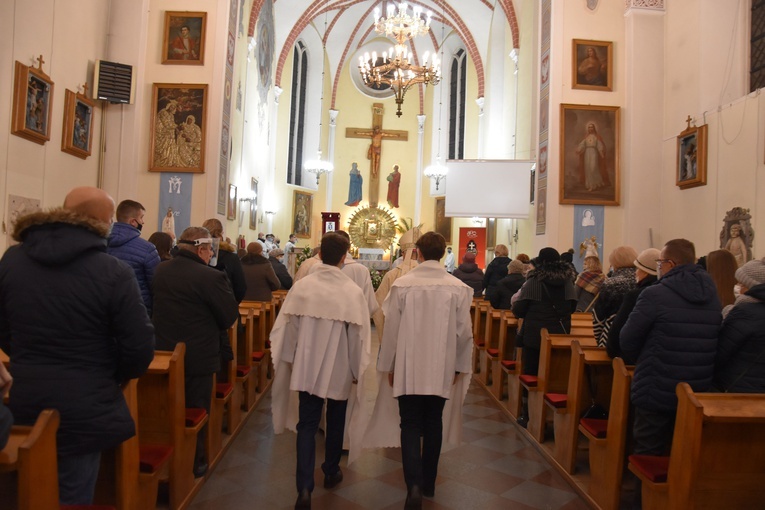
[350,25]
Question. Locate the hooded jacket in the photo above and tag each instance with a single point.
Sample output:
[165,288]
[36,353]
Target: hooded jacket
[73,323]
[471,274]
[126,244]
[671,337]
[740,362]
[495,271]
[546,300]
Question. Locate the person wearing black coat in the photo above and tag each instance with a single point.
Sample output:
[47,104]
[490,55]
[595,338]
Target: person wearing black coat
[6,418]
[740,361]
[275,257]
[670,337]
[469,273]
[496,270]
[193,303]
[508,286]
[75,327]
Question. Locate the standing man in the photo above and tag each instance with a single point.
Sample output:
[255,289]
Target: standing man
[321,347]
[126,244]
[194,303]
[670,337]
[449,263]
[426,344]
[289,247]
[74,326]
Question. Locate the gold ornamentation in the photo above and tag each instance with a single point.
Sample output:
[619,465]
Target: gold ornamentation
[372,227]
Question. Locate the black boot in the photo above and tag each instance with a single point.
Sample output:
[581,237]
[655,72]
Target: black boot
[523,419]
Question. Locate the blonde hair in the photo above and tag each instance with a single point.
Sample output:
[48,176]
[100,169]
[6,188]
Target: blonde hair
[501,251]
[214,226]
[623,256]
[593,264]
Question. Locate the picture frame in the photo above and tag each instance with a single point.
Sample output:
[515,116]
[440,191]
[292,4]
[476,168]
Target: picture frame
[177,145]
[302,206]
[589,160]
[443,223]
[32,103]
[592,65]
[77,132]
[183,42]
[231,208]
[691,159]
[254,204]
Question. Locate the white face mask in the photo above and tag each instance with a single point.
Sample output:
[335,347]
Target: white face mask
[737,290]
[658,272]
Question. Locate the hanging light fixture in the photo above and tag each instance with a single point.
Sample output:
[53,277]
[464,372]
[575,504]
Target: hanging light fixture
[393,68]
[318,166]
[437,170]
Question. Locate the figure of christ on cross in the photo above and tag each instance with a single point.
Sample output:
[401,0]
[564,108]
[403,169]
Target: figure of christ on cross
[377,134]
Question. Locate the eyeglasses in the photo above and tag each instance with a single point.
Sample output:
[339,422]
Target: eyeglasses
[663,261]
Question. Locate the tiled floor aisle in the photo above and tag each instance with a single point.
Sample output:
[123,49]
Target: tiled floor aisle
[495,468]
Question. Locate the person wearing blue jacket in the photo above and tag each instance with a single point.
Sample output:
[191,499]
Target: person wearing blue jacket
[126,244]
[670,337]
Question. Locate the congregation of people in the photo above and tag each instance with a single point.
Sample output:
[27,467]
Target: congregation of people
[85,301]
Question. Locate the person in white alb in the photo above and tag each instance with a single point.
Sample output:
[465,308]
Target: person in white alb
[426,347]
[360,275]
[449,263]
[321,346]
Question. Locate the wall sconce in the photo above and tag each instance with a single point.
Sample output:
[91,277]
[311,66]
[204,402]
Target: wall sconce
[267,214]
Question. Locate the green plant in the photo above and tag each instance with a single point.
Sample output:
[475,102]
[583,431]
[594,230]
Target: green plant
[302,255]
[376,276]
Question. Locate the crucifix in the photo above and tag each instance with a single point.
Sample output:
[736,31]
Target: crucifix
[376,134]
[40,62]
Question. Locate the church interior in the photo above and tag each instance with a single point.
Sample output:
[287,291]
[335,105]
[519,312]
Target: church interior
[281,116]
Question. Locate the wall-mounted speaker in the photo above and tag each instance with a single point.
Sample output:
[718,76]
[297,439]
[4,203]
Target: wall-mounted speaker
[114,82]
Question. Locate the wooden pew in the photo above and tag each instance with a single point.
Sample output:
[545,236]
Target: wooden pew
[164,420]
[261,351]
[607,440]
[479,331]
[224,404]
[718,454]
[247,369]
[552,378]
[511,365]
[130,473]
[31,453]
[590,368]
[494,321]
[503,360]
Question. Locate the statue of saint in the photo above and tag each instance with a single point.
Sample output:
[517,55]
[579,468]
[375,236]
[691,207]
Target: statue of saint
[394,181]
[354,186]
[736,245]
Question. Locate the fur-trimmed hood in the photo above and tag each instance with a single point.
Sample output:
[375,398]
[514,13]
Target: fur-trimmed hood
[59,235]
[553,273]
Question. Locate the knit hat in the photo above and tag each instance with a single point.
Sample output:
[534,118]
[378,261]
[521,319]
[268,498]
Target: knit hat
[751,274]
[469,257]
[515,267]
[276,252]
[646,261]
[546,255]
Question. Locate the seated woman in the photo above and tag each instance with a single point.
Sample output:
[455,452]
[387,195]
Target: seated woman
[276,258]
[613,290]
[740,361]
[470,273]
[259,275]
[508,286]
[645,276]
[588,283]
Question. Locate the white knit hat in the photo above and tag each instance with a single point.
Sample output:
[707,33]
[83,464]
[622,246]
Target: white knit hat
[751,274]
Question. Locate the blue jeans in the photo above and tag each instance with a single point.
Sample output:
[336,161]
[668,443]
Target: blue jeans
[77,475]
[310,414]
[421,416]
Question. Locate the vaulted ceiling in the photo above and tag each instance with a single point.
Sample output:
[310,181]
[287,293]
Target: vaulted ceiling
[344,26]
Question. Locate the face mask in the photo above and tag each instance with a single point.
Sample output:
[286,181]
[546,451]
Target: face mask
[658,272]
[737,290]
[139,226]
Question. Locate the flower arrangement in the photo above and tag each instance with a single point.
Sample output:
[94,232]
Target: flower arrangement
[376,276]
[302,255]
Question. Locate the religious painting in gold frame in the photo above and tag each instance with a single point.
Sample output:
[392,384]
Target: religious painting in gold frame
[184,38]
[692,157]
[589,158]
[443,223]
[178,135]
[32,103]
[591,65]
[302,206]
[77,133]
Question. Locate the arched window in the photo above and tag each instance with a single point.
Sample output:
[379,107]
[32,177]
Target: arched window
[457,79]
[297,114]
[757,45]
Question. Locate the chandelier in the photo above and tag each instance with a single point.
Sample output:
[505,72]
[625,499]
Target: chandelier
[393,68]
